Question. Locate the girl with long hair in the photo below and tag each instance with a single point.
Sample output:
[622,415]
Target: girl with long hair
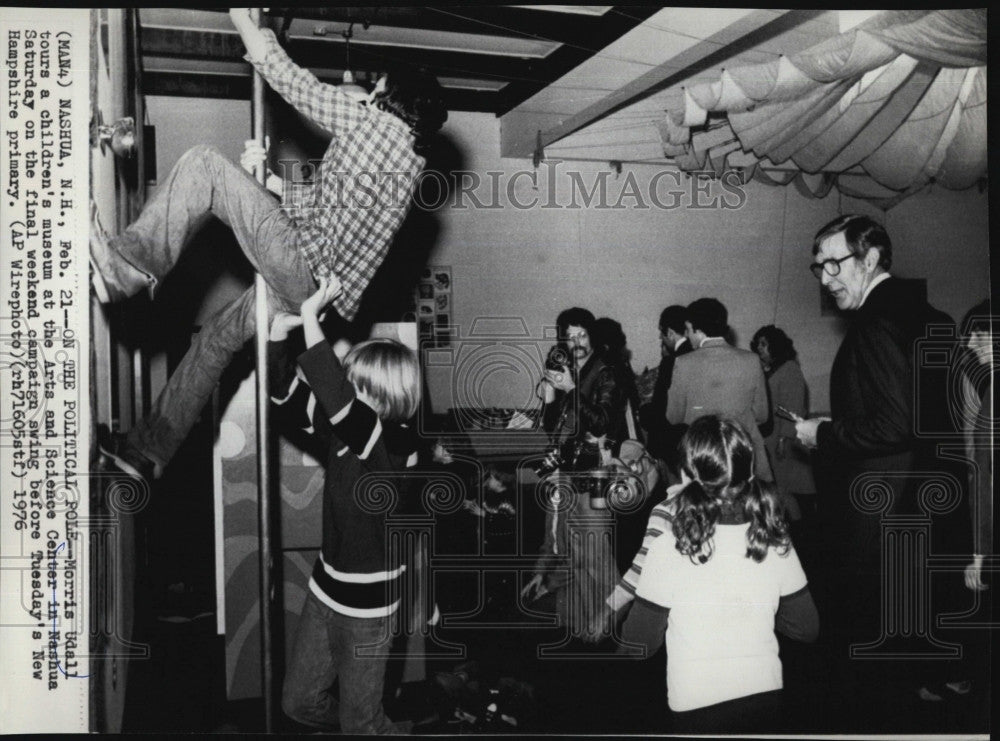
[717,584]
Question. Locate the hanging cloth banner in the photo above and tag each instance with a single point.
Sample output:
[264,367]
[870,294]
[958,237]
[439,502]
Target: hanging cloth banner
[903,94]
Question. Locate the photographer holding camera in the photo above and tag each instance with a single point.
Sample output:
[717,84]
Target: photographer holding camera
[584,415]
[582,399]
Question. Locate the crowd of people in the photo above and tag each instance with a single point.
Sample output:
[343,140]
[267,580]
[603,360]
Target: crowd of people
[733,475]
[833,482]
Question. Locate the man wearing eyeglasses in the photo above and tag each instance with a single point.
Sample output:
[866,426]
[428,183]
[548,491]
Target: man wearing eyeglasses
[872,402]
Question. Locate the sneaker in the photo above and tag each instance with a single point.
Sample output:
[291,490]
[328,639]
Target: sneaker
[126,458]
[112,276]
[928,696]
[939,692]
[963,687]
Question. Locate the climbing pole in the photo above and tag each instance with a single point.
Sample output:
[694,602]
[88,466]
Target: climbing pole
[263,449]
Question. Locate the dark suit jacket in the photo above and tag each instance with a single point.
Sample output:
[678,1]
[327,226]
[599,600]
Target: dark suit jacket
[664,378]
[661,439]
[873,403]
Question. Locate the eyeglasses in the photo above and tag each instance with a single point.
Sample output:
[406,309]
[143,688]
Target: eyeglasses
[830,267]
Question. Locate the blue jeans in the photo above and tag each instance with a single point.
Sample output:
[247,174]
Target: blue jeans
[204,183]
[328,647]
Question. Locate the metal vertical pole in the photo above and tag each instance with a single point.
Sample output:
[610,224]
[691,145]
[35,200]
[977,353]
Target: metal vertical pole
[135,106]
[263,449]
[121,361]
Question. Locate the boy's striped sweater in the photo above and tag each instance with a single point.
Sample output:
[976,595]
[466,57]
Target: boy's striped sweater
[355,573]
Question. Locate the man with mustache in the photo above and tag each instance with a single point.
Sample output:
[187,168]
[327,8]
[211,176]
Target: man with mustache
[585,409]
[582,398]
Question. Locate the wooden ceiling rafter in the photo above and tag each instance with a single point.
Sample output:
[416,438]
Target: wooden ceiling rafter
[575,36]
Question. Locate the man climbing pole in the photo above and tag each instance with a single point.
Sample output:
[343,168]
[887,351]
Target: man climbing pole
[326,231]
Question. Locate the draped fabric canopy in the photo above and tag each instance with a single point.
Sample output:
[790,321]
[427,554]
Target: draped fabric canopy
[900,98]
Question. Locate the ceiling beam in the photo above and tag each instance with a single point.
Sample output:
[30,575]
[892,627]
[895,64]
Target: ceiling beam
[613,25]
[522,138]
[181,42]
[190,85]
[483,20]
[238,87]
[190,44]
[413,35]
[581,36]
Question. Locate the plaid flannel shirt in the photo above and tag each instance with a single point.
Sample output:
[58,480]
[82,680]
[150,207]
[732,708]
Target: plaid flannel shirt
[360,194]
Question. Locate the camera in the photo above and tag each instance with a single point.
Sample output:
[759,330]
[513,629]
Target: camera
[550,463]
[559,358]
[619,491]
[604,488]
[571,455]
